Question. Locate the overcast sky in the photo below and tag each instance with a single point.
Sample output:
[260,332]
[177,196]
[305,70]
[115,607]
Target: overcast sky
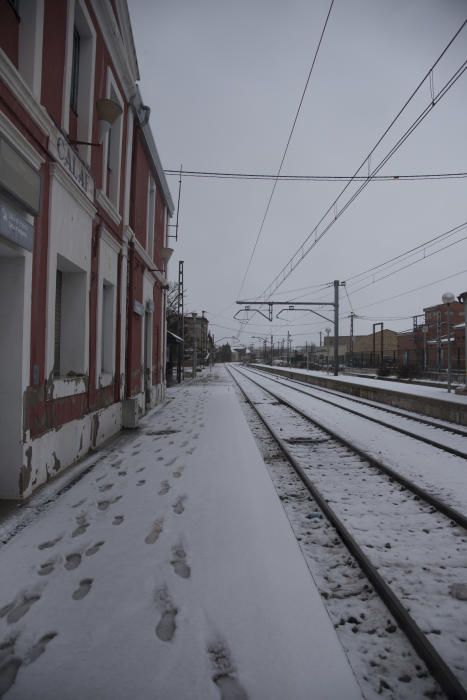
[224,80]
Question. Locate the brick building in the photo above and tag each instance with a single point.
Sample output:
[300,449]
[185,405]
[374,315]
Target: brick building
[425,346]
[84,207]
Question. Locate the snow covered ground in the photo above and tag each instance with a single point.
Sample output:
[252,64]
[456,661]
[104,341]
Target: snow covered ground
[169,571]
[400,387]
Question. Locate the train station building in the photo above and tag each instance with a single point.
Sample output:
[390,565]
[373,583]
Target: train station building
[84,211]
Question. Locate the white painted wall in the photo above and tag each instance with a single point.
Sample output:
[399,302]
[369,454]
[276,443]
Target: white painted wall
[57,449]
[70,237]
[108,272]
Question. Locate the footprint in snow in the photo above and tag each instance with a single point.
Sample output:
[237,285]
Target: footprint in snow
[141,482]
[82,526]
[46,568]
[8,672]
[80,503]
[39,647]
[165,488]
[105,487]
[72,561]
[123,473]
[178,472]
[156,530]
[224,673]
[49,544]
[17,609]
[171,461]
[178,507]
[141,469]
[83,589]
[94,549]
[166,626]
[103,505]
[118,520]
[178,562]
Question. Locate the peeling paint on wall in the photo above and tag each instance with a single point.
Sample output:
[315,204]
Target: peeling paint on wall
[25,473]
[94,429]
[57,463]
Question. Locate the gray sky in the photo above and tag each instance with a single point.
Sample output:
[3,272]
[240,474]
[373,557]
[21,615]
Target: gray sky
[224,80]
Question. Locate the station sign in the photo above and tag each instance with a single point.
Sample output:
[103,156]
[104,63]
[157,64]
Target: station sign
[14,226]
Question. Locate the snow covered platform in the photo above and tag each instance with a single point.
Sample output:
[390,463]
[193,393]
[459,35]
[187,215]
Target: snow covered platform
[431,401]
[168,570]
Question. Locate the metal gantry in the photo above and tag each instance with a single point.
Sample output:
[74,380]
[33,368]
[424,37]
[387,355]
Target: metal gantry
[303,307]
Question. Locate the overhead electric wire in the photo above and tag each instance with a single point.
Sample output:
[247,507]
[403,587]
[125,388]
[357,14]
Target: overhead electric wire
[302,252]
[404,267]
[411,251]
[218,175]
[415,289]
[371,271]
[286,149]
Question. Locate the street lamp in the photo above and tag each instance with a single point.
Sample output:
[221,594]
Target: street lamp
[194,315]
[424,331]
[463,299]
[448,298]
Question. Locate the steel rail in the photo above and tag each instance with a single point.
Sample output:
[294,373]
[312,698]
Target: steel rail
[368,402]
[423,647]
[441,506]
[403,431]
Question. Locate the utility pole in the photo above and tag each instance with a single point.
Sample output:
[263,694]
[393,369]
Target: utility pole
[181,325]
[336,327]
[194,315]
[351,338]
[204,340]
[272,349]
[288,348]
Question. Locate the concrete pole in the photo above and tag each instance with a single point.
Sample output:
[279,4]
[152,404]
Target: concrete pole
[463,298]
[336,327]
[449,348]
[194,315]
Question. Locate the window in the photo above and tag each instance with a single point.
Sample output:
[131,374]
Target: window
[113,154]
[81,58]
[30,42]
[107,333]
[75,72]
[70,314]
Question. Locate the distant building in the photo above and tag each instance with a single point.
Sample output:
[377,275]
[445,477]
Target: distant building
[84,209]
[426,345]
[362,348]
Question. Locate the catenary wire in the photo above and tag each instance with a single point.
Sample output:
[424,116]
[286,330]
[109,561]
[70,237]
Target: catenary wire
[286,149]
[301,252]
[218,175]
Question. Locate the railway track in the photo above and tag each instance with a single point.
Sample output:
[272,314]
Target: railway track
[399,418]
[409,544]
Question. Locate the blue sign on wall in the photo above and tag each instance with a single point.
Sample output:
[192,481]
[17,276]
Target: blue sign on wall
[15,227]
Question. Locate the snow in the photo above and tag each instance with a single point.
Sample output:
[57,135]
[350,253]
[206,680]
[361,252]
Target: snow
[438,472]
[431,392]
[169,570]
